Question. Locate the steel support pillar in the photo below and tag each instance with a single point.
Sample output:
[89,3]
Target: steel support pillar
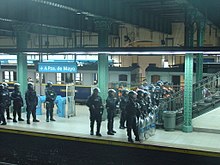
[103,27]
[21,39]
[188,82]
[199,59]
[187,125]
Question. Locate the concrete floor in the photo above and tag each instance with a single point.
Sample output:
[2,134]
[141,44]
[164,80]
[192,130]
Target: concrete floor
[79,126]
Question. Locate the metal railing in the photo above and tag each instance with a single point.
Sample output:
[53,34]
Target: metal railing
[203,93]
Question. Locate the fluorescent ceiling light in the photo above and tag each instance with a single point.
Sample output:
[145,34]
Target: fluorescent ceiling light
[142,53]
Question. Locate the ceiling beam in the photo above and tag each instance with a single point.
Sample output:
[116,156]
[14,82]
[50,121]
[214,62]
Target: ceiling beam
[62,18]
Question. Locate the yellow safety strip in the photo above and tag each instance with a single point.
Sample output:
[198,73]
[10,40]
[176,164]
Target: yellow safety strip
[114,143]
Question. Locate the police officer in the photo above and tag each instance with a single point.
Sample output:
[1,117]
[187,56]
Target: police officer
[111,103]
[122,105]
[31,102]
[3,104]
[147,98]
[17,102]
[133,114]
[7,100]
[158,94]
[50,98]
[152,94]
[142,103]
[95,105]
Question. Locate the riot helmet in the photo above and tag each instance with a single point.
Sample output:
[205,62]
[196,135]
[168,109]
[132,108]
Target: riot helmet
[5,84]
[49,84]
[132,95]
[16,86]
[146,94]
[140,93]
[96,90]
[160,83]
[124,92]
[111,92]
[30,86]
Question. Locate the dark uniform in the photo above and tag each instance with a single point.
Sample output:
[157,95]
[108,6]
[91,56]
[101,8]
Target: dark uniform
[133,113]
[94,103]
[3,105]
[50,98]
[122,105]
[142,103]
[111,103]
[158,95]
[17,102]
[31,102]
[7,100]
[147,98]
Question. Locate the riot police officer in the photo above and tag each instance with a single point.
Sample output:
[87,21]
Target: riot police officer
[158,94]
[111,103]
[122,105]
[3,97]
[152,94]
[142,103]
[31,102]
[50,98]
[147,98]
[96,108]
[7,100]
[133,114]
[17,102]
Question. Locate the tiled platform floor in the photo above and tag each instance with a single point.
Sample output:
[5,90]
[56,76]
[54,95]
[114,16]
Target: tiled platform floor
[79,126]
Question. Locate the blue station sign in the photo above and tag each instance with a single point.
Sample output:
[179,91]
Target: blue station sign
[58,67]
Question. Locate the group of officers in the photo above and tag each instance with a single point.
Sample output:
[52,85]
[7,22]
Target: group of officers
[31,99]
[133,106]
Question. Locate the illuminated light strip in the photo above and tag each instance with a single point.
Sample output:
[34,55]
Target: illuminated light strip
[141,53]
[64,7]
[55,5]
[6,20]
[114,143]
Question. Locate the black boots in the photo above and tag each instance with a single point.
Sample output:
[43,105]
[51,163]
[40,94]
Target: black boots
[110,133]
[130,140]
[35,120]
[98,134]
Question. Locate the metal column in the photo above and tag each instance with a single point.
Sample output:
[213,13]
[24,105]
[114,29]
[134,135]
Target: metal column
[199,59]
[188,82]
[187,125]
[21,39]
[103,27]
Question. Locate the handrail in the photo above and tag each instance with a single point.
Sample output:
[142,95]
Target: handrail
[176,101]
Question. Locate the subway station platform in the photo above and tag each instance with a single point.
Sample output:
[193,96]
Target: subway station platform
[202,144]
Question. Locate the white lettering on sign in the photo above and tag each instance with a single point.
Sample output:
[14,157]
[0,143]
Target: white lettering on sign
[63,68]
[59,68]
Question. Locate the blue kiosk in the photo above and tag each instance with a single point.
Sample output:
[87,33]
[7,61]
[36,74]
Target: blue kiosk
[62,91]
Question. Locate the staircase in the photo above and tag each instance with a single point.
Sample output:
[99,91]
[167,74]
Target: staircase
[207,99]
